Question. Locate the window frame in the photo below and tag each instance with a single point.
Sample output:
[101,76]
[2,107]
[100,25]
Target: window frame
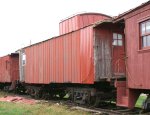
[23,60]
[117,39]
[141,35]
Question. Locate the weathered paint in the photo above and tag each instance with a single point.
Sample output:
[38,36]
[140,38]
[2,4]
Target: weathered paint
[138,63]
[79,21]
[108,59]
[9,68]
[64,59]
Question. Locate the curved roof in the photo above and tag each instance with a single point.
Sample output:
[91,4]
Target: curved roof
[85,13]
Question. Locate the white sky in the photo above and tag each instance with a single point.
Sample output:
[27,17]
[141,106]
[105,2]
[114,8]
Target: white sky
[37,20]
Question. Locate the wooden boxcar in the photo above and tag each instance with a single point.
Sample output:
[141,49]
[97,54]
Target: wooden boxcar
[84,59]
[9,69]
[137,38]
[68,58]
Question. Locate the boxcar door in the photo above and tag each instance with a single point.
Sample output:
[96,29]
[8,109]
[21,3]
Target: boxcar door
[102,55]
[118,54]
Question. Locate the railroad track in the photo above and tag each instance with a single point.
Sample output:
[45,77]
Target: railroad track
[111,111]
[107,110]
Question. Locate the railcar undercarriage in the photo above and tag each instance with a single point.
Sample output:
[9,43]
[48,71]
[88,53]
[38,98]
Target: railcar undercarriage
[78,93]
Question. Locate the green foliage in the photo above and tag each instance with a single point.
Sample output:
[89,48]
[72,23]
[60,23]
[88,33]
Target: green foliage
[140,101]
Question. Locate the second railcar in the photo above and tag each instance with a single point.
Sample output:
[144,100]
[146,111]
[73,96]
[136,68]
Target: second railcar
[9,71]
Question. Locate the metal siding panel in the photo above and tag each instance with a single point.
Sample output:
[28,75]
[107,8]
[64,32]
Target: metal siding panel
[51,60]
[90,18]
[61,64]
[70,25]
[40,79]
[48,62]
[73,55]
[57,60]
[31,77]
[66,58]
[36,63]
[44,63]
[76,23]
[54,58]
[86,56]
[73,24]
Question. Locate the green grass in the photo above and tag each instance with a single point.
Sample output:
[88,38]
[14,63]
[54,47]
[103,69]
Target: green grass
[140,101]
[8,108]
[49,108]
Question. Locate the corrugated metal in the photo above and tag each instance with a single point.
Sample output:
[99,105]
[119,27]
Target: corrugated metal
[9,68]
[79,21]
[65,59]
[86,55]
[138,62]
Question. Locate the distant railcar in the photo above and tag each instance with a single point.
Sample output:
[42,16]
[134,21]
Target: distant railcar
[9,70]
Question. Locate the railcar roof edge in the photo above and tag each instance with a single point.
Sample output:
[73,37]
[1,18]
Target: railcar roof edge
[64,34]
[84,13]
[120,16]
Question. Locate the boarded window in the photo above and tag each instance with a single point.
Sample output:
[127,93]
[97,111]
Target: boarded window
[145,33]
[117,39]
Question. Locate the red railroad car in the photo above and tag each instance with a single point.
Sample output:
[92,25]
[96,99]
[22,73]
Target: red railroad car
[137,37]
[9,69]
[80,60]
[68,58]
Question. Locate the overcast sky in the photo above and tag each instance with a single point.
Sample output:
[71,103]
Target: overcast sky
[22,21]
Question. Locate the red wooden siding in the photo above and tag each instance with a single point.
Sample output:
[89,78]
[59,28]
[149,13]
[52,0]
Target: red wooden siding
[9,68]
[80,21]
[138,62]
[65,59]
[86,55]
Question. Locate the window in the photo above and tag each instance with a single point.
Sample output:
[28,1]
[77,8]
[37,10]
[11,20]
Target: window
[145,33]
[117,39]
[23,59]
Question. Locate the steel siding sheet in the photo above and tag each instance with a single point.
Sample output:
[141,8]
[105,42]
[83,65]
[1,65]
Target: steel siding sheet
[66,59]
